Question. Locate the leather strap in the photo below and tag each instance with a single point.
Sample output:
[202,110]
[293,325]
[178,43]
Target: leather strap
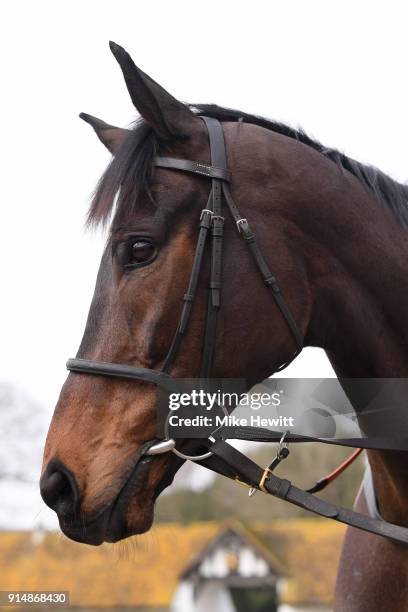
[218,172]
[230,462]
[218,158]
[189,296]
[258,434]
[322,483]
[121,370]
[222,174]
[267,276]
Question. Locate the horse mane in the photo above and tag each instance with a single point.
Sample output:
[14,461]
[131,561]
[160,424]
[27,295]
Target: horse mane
[129,172]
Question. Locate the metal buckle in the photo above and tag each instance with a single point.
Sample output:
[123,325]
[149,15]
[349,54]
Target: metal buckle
[280,455]
[261,487]
[205,211]
[239,223]
[265,476]
[217,218]
[243,484]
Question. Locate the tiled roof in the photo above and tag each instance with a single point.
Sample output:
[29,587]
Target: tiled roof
[144,571]
[310,549]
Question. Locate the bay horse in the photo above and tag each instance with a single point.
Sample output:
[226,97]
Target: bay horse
[335,231]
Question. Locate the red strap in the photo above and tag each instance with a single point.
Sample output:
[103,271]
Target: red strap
[323,482]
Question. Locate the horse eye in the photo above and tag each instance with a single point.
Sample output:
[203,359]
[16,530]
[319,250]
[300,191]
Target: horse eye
[141,251]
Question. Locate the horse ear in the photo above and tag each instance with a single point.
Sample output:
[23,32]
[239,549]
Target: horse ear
[168,117]
[111,136]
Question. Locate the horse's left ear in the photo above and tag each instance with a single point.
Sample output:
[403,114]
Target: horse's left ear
[111,136]
[168,117]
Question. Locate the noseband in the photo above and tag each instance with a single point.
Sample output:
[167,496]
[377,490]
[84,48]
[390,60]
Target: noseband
[222,457]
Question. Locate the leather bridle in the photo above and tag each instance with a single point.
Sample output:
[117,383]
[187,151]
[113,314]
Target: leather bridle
[220,456]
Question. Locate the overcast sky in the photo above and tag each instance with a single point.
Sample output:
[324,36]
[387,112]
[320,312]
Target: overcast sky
[337,69]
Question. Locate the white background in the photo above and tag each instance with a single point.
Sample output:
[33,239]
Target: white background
[337,69]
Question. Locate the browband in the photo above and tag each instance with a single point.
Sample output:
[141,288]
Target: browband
[193,166]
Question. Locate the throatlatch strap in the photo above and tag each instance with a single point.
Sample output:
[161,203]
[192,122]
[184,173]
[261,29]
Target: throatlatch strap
[267,276]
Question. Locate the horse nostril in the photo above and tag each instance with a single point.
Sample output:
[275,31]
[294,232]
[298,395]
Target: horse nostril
[59,490]
[52,486]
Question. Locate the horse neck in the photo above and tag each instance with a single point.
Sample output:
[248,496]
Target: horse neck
[360,284]
[360,287]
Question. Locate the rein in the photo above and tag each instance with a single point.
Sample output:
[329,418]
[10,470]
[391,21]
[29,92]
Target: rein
[220,456]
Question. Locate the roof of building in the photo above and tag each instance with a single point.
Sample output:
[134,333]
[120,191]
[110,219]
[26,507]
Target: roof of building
[232,537]
[145,570]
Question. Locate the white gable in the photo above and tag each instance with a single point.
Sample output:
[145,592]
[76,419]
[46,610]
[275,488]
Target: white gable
[232,556]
